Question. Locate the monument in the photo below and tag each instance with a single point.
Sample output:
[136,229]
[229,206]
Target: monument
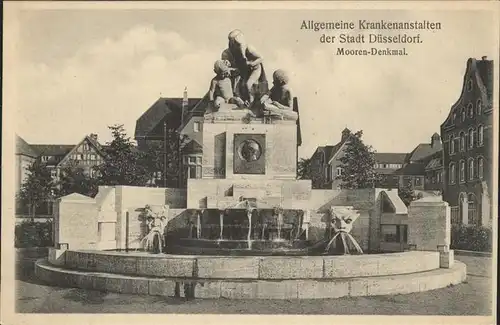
[248,228]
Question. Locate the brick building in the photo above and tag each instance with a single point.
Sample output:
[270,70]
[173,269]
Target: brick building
[169,117]
[467,133]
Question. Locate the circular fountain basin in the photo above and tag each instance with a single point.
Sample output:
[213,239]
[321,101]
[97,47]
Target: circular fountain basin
[248,277]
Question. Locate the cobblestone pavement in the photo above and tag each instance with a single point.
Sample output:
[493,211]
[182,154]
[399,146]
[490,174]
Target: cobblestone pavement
[474,297]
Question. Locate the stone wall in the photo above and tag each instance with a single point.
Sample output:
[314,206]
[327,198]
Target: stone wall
[429,224]
[281,147]
[129,202]
[76,220]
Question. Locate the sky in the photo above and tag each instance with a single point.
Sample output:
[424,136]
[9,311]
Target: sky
[79,71]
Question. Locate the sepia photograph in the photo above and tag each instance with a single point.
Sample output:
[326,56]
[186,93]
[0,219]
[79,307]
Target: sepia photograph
[242,159]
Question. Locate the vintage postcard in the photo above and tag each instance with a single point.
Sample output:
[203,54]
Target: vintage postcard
[250,162]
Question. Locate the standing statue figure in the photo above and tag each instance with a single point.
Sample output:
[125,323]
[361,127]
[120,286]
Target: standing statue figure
[248,61]
[221,87]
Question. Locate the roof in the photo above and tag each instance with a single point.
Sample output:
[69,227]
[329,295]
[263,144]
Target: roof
[482,72]
[413,169]
[385,171]
[52,149]
[423,151]
[390,158]
[23,148]
[157,113]
[192,147]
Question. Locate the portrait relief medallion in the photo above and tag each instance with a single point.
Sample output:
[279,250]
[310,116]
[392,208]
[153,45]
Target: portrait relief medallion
[250,150]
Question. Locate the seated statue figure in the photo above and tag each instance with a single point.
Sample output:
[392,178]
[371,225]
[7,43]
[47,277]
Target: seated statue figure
[279,100]
[248,61]
[221,86]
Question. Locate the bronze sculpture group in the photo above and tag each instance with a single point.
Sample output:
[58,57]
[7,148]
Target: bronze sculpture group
[240,79]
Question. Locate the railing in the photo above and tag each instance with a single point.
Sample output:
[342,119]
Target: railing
[473,217]
[455,215]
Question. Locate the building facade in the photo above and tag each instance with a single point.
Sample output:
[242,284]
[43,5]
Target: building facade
[386,166]
[87,154]
[326,164]
[417,166]
[467,133]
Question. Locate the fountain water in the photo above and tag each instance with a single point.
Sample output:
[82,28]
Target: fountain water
[342,221]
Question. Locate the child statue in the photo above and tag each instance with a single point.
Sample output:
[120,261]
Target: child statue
[279,100]
[221,86]
[248,61]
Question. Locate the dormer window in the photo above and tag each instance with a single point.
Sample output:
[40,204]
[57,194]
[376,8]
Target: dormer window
[469,85]
[196,126]
[470,109]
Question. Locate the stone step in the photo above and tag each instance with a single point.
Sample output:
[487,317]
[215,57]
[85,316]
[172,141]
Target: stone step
[252,289]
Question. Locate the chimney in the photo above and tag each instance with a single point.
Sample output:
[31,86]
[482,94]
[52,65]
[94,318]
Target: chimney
[185,102]
[484,57]
[94,137]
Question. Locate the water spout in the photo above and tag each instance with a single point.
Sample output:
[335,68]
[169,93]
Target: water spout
[148,241]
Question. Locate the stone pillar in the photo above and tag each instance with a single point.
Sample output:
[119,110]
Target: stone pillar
[305,222]
[221,220]
[464,204]
[198,224]
[429,228]
[249,235]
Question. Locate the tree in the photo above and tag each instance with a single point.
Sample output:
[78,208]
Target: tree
[304,170]
[407,193]
[154,159]
[358,164]
[74,179]
[37,189]
[123,163]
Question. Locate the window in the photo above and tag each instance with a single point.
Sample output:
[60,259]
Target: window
[480,167]
[339,171]
[394,233]
[462,171]
[53,173]
[452,144]
[480,135]
[390,233]
[470,110]
[462,141]
[479,107]
[462,114]
[471,169]
[196,126]
[471,138]
[86,147]
[418,181]
[192,166]
[469,85]
[438,175]
[452,173]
